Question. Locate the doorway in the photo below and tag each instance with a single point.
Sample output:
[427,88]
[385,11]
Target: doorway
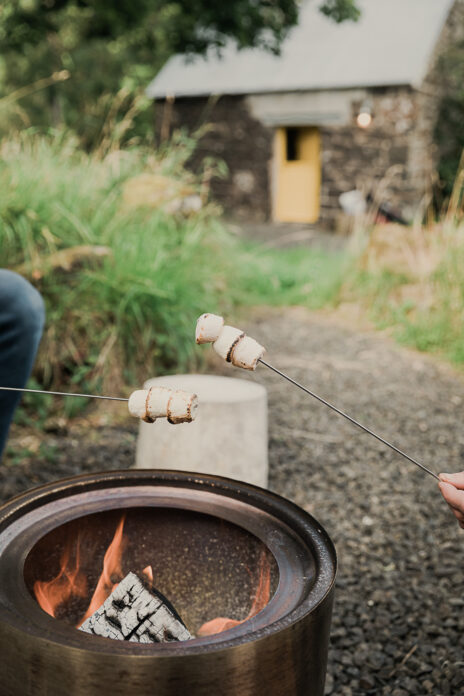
[297,174]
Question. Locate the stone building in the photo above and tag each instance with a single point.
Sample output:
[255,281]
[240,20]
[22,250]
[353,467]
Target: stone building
[343,107]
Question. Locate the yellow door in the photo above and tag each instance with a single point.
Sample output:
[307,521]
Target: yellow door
[298,175]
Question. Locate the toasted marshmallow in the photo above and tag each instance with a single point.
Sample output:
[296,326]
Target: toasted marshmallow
[138,403]
[162,402]
[226,342]
[209,327]
[182,407]
[247,352]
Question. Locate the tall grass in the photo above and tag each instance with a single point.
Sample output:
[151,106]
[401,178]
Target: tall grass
[115,319]
[411,280]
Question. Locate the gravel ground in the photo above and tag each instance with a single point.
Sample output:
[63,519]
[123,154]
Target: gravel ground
[398,625]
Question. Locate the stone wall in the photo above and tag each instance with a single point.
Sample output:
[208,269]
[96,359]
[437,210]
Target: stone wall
[376,160]
[394,159]
[234,136]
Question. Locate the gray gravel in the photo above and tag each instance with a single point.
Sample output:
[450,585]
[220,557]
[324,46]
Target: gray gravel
[398,625]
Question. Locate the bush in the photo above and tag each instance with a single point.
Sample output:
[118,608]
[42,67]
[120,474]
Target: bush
[116,318]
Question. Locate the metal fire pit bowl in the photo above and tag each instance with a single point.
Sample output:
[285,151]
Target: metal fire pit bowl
[212,529]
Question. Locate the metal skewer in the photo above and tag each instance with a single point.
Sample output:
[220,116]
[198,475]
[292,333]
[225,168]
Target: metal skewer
[54,393]
[352,420]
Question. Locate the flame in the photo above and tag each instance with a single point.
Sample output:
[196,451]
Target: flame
[69,582]
[72,582]
[261,598]
[111,569]
[148,572]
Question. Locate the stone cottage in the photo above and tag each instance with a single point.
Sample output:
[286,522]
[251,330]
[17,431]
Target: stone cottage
[344,106]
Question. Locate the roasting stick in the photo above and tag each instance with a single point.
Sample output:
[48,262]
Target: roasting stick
[352,420]
[147,404]
[243,351]
[40,391]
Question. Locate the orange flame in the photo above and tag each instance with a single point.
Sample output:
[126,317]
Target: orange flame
[111,569]
[148,572]
[261,598]
[69,582]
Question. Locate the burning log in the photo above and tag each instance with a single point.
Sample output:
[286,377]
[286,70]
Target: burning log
[133,613]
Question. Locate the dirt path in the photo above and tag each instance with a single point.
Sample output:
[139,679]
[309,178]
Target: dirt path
[398,624]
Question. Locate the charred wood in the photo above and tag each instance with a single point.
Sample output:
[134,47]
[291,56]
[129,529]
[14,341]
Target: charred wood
[134,613]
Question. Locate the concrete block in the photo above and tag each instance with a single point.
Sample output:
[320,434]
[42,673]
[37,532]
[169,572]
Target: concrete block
[228,438]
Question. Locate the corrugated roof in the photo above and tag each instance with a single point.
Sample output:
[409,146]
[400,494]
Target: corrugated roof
[390,45]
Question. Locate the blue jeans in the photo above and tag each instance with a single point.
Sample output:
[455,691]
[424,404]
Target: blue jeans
[22,317]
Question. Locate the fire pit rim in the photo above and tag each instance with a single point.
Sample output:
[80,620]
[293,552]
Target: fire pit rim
[298,520]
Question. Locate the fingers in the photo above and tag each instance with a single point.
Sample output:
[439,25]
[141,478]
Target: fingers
[455,499]
[457,480]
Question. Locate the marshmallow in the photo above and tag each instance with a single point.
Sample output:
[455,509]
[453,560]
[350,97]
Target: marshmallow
[162,402]
[182,407]
[226,342]
[230,343]
[208,328]
[246,353]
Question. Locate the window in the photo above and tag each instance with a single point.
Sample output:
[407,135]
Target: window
[292,144]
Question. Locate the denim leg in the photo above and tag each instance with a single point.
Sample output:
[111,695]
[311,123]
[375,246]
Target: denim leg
[22,317]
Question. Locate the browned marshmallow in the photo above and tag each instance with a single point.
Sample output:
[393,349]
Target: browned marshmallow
[226,342]
[246,353]
[182,407]
[162,402]
[208,328]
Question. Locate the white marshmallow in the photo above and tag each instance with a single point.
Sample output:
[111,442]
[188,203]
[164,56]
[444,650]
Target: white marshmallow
[138,403]
[209,327]
[182,407]
[162,402]
[157,402]
[246,353]
[228,338]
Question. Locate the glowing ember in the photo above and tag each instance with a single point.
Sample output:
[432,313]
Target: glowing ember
[260,600]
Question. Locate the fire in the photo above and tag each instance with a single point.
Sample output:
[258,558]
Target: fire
[261,598]
[111,569]
[69,582]
[148,572]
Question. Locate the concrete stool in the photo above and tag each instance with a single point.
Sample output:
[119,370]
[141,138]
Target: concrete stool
[228,437]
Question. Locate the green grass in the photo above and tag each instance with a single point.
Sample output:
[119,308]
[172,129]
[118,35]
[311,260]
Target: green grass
[299,276]
[436,326]
[112,323]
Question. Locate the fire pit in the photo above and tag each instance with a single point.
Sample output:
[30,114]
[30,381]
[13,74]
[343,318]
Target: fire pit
[250,574]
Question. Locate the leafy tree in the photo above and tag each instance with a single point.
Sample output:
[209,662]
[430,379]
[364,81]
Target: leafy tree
[449,132]
[108,46]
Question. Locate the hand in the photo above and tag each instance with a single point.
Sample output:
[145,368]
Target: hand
[452,489]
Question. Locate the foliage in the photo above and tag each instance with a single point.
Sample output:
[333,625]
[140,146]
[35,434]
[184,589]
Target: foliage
[115,320]
[341,10]
[449,131]
[414,288]
[109,47]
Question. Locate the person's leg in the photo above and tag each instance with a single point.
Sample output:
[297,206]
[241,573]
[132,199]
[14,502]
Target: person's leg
[22,317]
